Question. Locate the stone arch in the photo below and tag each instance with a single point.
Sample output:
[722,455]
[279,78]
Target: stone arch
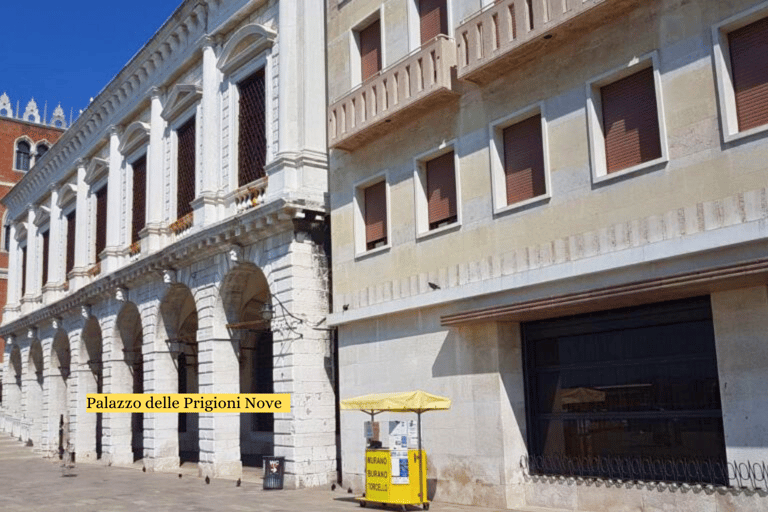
[58,397]
[129,378]
[177,322]
[92,381]
[245,299]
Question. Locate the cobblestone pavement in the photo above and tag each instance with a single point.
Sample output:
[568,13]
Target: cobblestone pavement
[30,483]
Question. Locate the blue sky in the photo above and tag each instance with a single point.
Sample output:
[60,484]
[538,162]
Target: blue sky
[68,55]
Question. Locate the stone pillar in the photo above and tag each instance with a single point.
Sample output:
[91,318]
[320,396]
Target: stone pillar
[82,423]
[155,174]
[218,372]
[14,295]
[741,335]
[32,277]
[112,252]
[55,264]
[205,202]
[50,426]
[161,438]
[25,387]
[82,229]
[35,392]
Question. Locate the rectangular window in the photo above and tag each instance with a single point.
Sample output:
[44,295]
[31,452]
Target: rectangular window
[252,145]
[630,121]
[139,217]
[185,169]
[524,160]
[370,50]
[749,71]
[71,225]
[375,212]
[46,248]
[101,220]
[7,239]
[433,16]
[635,386]
[23,270]
[441,191]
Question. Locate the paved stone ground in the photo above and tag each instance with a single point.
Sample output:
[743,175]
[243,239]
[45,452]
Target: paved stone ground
[30,483]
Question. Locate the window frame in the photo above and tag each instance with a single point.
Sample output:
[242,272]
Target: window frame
[726,97]
[595,127]
[355,51]
[192,112]
[497,156]
[16,143]
[421,207]
[129,160]
[361,249]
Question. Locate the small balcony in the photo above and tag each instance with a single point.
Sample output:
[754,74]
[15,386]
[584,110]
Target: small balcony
[391,98]
[490,41]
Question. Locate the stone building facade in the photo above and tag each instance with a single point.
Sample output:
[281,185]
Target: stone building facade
[555,213]
[172,241]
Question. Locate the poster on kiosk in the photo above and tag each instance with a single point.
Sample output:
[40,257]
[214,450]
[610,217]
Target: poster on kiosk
[397,437]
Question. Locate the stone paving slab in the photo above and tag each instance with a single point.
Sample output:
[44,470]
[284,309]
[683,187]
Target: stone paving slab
[29,483]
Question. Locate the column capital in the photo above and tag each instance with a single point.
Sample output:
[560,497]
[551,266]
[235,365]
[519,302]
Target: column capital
[156,92]
[81,163]
[115,130]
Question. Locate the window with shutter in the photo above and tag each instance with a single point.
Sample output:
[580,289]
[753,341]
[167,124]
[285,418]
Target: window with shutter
[252,145]
[630,121]
[370,50]
[23,270]
[433,16]
[46,248]
[749,71]
[101,220]
[441,191]
[375,211]
[71,225]
[524,160]
[22,156]
[139,218]
[185,169]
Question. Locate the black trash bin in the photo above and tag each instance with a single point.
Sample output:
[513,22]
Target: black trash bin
[274,468]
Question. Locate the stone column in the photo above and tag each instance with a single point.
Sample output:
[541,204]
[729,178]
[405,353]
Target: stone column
[112,252]
[161,438]
[741,336]
[35,392]
[218,372]
[14,290]
[32,276]
[55,263]
[25,387]
[82,423]
[82,225]
[155,174]
[50,427]
[209,169]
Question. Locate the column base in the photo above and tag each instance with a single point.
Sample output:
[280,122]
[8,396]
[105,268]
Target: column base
[161,464]
[118,459]
[231,469]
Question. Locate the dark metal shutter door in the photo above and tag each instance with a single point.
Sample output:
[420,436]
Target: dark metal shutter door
[630,121]
[23,270]
[441,189]
[185,169]
[46,249]
[375,213]
[434,19]
[749,67]
[252,146]
[139,216]
[524,160]
[370,49]
[101,220]
[71,226]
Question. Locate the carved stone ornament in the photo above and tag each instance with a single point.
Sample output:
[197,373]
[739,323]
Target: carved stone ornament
[169,276]
[236,253]
[56,324]
[121,294]
[85,311]
[31,333]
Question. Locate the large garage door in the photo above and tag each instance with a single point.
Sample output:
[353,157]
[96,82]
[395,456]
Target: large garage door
[630,386]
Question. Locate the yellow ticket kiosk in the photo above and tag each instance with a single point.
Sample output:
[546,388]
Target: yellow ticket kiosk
[396,475]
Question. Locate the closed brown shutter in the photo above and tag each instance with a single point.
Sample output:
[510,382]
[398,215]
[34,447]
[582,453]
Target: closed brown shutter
[139,217]
[101,220]
[370,49]
[185,169]
[749,67]
[46,249]
[375,215]
[524,160]
[71,226]
[252,146]
[434,19]
[441,190]
[630,121]
[23,270]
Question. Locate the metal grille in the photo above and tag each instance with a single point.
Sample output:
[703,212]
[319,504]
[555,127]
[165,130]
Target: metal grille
[375,215]
[139,216]
[252,150]
[524,160]
[23,270]
[630,121]
[749,67]
[185,174]
[46,249]
[101,220]
[370,50]
[22,156]
[434,19]
[441,190]
[71,225]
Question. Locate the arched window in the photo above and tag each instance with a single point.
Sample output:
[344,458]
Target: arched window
[22,156]
[41,150]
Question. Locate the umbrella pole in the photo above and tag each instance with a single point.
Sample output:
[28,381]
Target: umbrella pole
[421,478]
